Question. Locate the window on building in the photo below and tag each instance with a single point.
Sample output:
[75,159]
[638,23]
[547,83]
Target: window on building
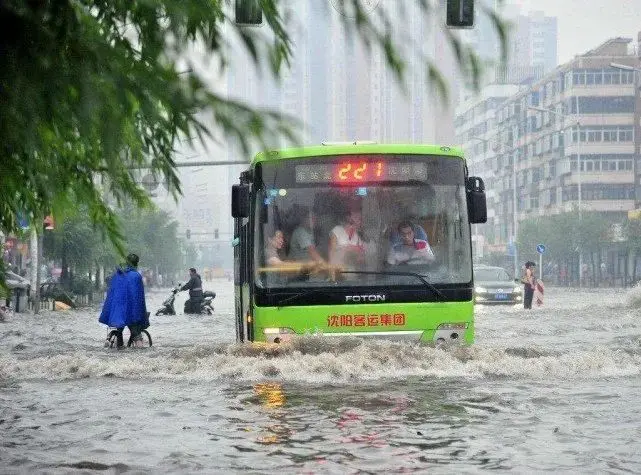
[595,135]
[536,175]
[601,105]
[578,77]
[626,134]
[605,133]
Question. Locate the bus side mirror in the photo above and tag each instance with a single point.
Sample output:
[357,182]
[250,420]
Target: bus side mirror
[240,201]
[476,203]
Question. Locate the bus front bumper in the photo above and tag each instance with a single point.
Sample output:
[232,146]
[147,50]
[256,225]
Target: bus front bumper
[444,334]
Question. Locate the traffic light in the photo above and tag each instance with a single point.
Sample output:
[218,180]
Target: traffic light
[460,14]
[248,12]
[215,233]
[188,234]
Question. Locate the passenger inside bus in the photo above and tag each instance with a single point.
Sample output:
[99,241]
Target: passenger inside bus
[346,245]
[302,244]
[274,248]
[356,228]
[410,249]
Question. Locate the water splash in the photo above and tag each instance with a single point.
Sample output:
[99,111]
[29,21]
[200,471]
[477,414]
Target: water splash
[318,360]
[633,296]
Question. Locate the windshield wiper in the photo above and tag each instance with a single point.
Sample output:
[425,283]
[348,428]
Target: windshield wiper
[422,278]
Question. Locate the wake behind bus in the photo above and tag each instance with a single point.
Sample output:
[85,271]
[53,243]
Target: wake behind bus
[370,240]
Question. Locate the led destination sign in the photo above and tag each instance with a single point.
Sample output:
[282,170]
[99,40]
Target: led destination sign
[360,171]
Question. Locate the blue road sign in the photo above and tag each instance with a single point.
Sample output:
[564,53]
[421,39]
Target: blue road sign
[23,221]
[540,248]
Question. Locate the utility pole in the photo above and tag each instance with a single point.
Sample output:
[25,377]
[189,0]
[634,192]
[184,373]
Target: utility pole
[36,260]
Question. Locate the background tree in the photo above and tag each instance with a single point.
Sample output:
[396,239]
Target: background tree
[632,230]
[91,88]
[78,246]
[564,235]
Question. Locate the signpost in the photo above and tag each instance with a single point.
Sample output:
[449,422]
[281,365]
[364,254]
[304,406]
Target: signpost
[540,248]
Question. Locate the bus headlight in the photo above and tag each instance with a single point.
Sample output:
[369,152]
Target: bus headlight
[517,290]
[278,335]
[480,290]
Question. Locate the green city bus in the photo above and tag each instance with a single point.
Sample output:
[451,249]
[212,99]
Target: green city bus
[357,239]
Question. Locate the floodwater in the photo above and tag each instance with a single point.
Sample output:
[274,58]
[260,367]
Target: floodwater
[554,389]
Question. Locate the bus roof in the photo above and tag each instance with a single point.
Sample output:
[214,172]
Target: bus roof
[358,148]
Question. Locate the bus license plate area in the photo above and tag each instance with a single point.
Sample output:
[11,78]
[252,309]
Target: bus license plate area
[501,296]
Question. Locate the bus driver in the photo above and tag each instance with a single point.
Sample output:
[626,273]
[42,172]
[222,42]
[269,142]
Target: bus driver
[410,250]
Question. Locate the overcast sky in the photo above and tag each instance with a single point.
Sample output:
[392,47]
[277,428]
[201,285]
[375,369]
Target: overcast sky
[584,24]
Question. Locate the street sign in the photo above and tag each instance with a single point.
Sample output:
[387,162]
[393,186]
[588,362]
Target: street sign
[540,248]
[23,221]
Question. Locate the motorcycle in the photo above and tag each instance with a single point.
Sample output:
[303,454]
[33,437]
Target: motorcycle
[206,307]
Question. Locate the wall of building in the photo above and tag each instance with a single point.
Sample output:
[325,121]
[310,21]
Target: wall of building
[597,122]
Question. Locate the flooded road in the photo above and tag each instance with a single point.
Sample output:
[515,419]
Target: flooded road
[554,389]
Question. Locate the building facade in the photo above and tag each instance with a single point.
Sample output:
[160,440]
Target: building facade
[575,128]
[532,45]
[476,128]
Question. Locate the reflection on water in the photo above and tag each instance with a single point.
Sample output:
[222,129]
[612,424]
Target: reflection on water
[555,389]
[272,396]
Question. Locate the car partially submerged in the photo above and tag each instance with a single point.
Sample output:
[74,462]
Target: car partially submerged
[494,285]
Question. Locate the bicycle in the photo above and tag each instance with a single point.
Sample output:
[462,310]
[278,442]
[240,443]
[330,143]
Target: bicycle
[112,339]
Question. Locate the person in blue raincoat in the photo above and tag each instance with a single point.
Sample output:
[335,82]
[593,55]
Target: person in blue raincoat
[125,302]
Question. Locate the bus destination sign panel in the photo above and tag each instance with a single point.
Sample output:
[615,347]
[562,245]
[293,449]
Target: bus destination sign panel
[359,171]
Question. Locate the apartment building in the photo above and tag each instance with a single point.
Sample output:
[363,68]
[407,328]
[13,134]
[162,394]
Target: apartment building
[476,131]
[532,44]
[575,128]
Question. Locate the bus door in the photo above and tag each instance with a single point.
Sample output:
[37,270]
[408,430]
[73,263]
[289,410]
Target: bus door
[242,263]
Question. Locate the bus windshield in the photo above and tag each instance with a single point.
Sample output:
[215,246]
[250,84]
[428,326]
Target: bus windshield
[410,220]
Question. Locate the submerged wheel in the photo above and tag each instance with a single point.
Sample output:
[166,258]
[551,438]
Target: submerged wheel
[146,334]
[146,339]
[112,338]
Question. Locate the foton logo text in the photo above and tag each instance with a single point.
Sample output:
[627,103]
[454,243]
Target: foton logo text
[365,298]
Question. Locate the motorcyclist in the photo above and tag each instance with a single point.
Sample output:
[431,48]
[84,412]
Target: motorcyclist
[195,288]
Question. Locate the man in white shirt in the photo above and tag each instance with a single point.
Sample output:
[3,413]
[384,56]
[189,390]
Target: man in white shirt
[346,245]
